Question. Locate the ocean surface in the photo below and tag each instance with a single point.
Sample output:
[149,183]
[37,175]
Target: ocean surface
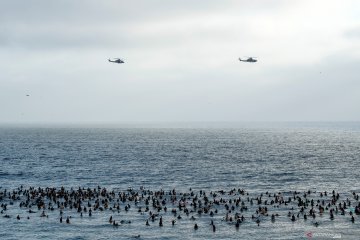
[257,158]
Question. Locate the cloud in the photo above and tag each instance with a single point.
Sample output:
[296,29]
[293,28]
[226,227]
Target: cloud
[180,60]
[353,33]
[36,24]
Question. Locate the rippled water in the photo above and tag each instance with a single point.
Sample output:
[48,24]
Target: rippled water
[257,159]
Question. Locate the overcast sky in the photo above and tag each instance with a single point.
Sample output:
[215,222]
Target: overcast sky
[181,60]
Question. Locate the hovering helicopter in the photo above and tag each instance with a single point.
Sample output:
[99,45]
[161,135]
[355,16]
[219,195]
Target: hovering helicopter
[116,60]
[250,59]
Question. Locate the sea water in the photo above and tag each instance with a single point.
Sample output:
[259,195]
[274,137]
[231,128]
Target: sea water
[256,158]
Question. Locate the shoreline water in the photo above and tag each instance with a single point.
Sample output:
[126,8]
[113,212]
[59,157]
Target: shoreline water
[312,214]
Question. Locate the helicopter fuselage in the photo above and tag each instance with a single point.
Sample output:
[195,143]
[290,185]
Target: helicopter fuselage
[116,61]
[252,60]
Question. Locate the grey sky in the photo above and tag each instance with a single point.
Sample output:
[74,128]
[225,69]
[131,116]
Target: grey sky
[181,60]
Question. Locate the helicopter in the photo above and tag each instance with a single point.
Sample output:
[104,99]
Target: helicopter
[249,59]
[116,60]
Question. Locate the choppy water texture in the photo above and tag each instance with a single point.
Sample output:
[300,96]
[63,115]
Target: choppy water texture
[256,159]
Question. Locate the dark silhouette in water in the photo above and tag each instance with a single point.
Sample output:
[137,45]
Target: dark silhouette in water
[233,204]
[196,227]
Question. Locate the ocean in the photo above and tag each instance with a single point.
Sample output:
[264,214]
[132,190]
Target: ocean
[256,158]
